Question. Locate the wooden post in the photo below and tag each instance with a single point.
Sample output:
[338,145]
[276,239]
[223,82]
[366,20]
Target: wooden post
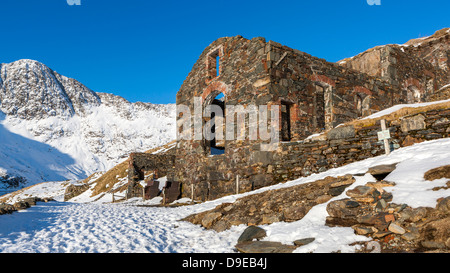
[192,193]
[387,149]
[237,184]
[164,195]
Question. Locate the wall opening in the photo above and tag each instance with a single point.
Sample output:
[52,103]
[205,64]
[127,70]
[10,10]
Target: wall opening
[413,94]
[217,65]
[213,62]
[359,105]
[319,109]
[216,145]
[286,121]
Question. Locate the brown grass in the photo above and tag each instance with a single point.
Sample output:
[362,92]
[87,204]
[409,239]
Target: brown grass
[110,178]
[406,111]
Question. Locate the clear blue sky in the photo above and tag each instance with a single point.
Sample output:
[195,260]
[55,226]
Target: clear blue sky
[143,49]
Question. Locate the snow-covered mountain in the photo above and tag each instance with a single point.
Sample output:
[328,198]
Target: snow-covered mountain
[54,128]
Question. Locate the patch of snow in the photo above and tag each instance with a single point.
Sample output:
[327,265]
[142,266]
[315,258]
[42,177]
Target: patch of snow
[125,227]
[443,87]
[313,136]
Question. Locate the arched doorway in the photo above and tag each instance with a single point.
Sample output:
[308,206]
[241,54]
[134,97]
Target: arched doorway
[214,123]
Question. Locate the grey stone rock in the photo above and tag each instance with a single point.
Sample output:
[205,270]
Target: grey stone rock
[361,191]
[381,171]
[364,230]
[444,205]
[6,209]
[381,205]
[210,219]
[432,244]
[31,200]
[252,232]
[416,122]
[341,132]
[264,247]
[397,229]
[21,205]
[304,241]
[418,214]
[336,190]
[410,236]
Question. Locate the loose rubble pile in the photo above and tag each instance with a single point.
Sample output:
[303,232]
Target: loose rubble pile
[286,204]
[368,209]
[21,205]
[396,227]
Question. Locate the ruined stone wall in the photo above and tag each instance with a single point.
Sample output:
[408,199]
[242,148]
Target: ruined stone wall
[307,81]
[242,76]
[340,146]
[353,143]
[243,71]
[434,49]
[140,164]
[416,77]
[419,68]
[319,94]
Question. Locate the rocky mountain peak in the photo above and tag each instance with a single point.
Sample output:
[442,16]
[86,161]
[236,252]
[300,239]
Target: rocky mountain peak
[31,90]
[54,128]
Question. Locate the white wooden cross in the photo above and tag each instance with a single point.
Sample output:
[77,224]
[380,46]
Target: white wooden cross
[385,135]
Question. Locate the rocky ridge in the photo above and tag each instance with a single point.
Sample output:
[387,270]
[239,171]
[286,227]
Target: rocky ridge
[31,90]
[72,130]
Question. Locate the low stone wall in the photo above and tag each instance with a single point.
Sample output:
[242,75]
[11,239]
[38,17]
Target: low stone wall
[348,144]
[74,190]
[216,176]
[142,163]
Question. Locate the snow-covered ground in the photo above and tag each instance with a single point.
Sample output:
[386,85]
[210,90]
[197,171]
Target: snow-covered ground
[102,227]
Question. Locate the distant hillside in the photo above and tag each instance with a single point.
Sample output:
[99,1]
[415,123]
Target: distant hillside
[54,128]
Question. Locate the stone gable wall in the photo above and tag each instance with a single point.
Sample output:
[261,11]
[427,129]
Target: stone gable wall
[424,66]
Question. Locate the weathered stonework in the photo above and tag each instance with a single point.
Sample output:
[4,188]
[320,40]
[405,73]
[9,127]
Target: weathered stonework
[142,164]
[419,68]
[318,95]
[313,96]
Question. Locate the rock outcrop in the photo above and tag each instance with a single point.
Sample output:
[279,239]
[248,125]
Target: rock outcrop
[286,204]
[395,227]
[367,209]
[21,204]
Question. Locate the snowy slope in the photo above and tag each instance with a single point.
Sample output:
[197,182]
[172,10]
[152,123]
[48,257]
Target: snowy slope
[54,128]
[101,227]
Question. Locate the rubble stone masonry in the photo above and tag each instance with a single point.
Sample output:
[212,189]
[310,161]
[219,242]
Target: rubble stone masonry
[314,96]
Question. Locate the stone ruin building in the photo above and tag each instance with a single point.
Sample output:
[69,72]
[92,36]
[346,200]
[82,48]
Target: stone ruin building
[313,96]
